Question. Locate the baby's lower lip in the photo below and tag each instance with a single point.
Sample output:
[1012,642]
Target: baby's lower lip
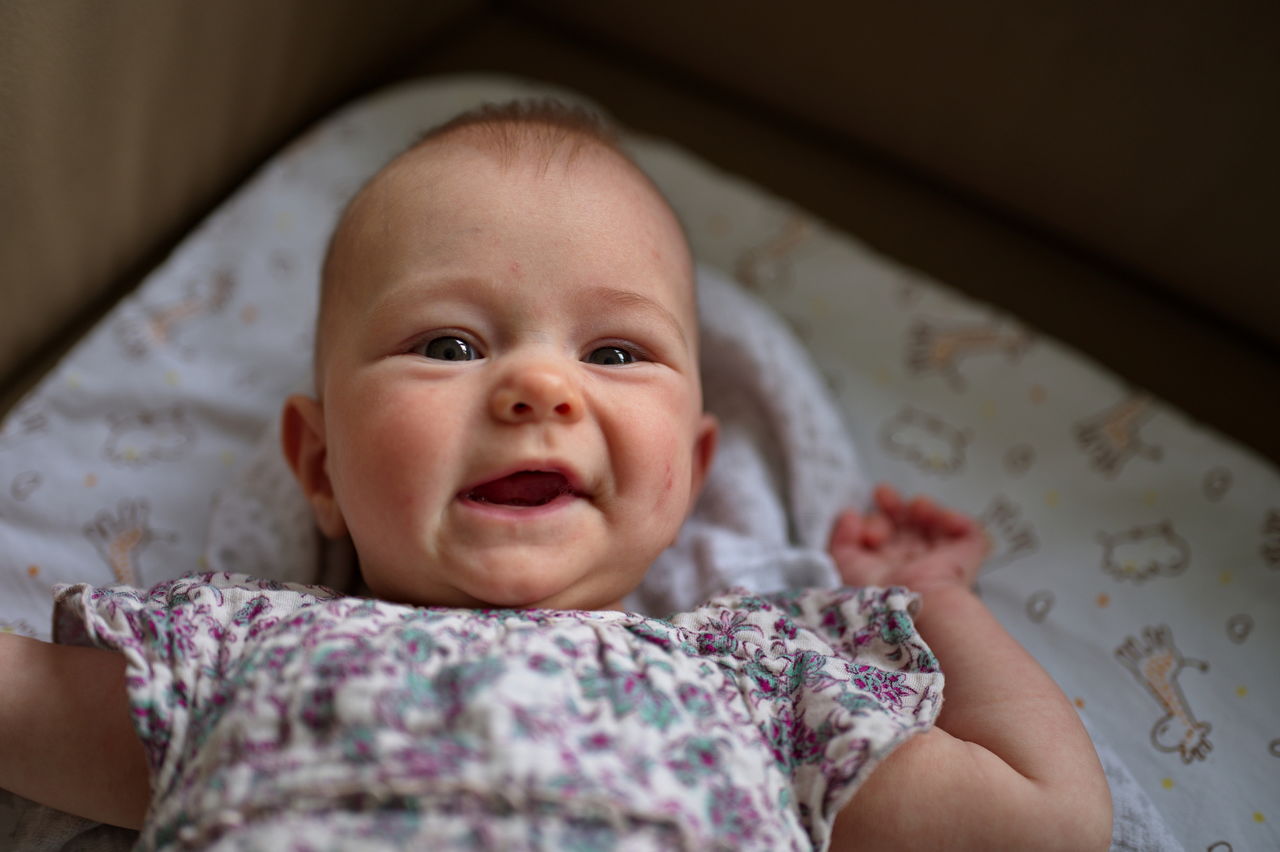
[512,511]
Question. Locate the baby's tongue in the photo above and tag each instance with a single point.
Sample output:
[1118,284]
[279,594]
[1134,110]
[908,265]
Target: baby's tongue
[527,488]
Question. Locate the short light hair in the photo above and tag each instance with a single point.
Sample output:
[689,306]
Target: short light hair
[508,128]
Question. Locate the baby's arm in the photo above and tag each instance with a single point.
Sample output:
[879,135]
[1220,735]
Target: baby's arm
[1009,764]
[66,739]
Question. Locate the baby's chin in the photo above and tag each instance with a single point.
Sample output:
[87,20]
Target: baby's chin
[584,596]
[524,587]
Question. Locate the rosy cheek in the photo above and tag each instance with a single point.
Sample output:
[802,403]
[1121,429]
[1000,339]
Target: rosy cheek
[669,481]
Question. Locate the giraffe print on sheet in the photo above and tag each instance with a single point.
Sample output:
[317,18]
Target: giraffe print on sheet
[158,327]
[768,265]
[1156,663]
[1111,438]
[120,536]
[1011,535]
[939,349]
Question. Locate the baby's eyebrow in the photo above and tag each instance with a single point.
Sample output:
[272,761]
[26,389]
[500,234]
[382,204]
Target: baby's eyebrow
[630,299]
[393,304]
[399,299]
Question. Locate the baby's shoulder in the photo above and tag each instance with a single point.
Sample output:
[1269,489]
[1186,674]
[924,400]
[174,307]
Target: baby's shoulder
[196,604]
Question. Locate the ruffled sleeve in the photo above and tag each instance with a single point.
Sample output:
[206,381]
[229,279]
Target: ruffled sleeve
[179,640]
[837,678]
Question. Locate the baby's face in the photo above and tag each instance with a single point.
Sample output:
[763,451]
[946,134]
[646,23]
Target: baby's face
[511,408]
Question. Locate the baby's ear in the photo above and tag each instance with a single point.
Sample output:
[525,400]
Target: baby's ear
[303,442]
[704,450]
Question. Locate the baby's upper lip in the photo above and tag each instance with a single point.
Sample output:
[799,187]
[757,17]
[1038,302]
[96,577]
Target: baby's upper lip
[572,477]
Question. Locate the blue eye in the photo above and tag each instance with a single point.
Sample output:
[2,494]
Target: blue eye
[448,349]
[610,356]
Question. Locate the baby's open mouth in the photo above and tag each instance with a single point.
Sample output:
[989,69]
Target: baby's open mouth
[526,488]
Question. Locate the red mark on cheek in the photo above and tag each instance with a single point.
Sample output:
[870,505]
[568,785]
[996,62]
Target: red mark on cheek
[516,270]
[670,479]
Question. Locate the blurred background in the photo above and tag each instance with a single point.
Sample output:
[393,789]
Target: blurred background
[1106,172]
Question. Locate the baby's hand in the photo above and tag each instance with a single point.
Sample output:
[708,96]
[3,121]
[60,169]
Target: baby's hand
[919,544]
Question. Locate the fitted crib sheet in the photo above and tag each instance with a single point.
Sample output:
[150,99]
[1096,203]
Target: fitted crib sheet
[1137,554]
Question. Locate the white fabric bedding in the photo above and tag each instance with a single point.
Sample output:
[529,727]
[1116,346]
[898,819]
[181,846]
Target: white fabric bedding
[1138,555]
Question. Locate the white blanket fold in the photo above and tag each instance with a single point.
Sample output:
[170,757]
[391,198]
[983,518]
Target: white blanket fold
[785,464]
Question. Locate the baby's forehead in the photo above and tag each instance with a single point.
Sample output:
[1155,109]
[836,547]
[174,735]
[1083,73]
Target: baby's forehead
[414,175]
[422,175]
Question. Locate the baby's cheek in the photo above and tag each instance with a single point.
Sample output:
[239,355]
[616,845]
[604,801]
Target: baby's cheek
[653,454]
[671,486]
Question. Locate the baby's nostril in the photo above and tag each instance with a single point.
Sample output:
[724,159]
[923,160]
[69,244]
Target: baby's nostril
[562,408]
[520,407]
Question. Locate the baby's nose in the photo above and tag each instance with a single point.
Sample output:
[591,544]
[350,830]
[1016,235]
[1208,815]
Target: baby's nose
[536,392]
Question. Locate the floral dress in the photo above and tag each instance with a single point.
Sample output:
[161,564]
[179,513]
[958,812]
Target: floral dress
[278,716]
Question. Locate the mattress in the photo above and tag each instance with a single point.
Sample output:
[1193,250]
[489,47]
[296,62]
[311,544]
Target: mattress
[1137,554]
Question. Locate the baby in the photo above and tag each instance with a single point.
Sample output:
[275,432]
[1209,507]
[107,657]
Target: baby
[508,425]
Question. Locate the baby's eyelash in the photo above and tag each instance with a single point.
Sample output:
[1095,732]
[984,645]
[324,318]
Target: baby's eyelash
[634,350]
[424,342]
[468,349]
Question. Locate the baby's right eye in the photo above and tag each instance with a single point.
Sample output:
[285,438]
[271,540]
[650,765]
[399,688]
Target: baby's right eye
[447,348]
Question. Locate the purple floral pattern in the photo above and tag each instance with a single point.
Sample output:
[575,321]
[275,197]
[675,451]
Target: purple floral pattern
[284,716]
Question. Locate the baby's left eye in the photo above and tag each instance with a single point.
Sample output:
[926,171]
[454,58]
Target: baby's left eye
[448,348]
[610,356]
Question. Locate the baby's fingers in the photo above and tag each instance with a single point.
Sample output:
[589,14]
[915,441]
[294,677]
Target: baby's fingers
[924,513]
[846,533]
[859,568]
[929,520]
[889,501]
[876,530]
[956,524]
[854,531]
[937,522]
